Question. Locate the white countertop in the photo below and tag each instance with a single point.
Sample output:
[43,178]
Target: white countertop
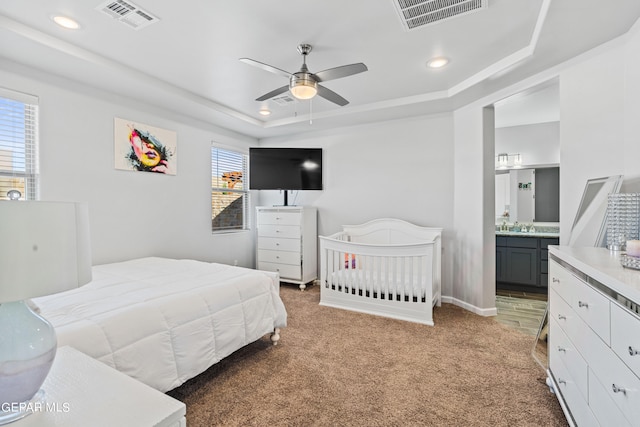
[527,234]
[604,266]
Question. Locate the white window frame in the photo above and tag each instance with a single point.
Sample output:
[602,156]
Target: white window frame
[19,141]
[219,156]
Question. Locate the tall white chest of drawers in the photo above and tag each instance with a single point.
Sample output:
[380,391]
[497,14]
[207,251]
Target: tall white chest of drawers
[287,242]
[594,336]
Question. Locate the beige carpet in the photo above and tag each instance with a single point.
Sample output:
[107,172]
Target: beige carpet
[334,367]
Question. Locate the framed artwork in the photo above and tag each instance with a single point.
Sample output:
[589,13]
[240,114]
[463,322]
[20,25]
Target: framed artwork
[144,148]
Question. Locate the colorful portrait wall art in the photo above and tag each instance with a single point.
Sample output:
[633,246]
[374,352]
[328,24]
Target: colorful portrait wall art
[144,148]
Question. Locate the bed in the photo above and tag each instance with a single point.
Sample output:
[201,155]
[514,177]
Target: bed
[386,267]
[163,321]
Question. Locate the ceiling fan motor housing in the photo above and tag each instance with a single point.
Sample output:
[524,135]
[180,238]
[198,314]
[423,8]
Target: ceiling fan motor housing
[302,85]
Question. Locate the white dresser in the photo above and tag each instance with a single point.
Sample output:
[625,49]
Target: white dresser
[594,336]
[287,242]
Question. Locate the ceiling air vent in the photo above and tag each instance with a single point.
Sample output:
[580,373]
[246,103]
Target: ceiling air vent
[418,13]
[127,13]
[283,100]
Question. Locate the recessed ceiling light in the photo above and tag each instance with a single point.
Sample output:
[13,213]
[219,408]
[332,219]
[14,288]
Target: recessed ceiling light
[66,22]
[438,62]
[265,111]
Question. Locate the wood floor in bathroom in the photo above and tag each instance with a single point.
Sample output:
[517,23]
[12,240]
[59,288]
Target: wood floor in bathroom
[521,310]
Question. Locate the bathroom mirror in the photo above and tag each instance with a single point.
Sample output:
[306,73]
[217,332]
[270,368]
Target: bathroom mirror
[590,222]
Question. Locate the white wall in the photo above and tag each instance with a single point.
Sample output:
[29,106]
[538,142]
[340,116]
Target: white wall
[599,111]
[401,169]
[599,134]
[474,210]
[538,144]
[132,214]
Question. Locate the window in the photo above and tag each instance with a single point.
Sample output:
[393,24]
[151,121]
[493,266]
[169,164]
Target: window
[229,192]
[18,144]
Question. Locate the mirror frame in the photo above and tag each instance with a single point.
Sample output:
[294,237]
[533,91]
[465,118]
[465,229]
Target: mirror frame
[590,222]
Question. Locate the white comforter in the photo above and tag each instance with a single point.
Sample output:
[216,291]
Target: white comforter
[164,321]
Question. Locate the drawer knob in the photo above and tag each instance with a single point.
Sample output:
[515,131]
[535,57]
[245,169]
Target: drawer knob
[583,304]
[633,351]
[555,280]
[562,317]
[561,349]
[617,389]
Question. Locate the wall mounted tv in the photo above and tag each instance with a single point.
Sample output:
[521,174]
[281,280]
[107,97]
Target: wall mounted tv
[285,169]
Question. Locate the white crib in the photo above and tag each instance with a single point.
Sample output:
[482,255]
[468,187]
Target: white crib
[387,267]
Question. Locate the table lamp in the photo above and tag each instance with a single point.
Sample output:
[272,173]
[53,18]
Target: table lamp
[44,249]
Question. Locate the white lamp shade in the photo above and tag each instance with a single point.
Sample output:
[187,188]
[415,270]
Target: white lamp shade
[44,248]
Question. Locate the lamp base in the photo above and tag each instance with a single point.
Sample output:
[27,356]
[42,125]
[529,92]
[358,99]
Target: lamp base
[16,411]
[27,350]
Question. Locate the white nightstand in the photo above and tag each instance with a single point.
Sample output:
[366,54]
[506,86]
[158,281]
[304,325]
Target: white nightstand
[80,391]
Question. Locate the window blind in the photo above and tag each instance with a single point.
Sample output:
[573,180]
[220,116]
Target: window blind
[19,169]
[229,192]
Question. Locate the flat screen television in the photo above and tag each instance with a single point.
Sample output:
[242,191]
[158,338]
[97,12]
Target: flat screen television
[285,169]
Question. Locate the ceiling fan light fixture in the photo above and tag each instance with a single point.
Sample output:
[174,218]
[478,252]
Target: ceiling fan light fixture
[303,86]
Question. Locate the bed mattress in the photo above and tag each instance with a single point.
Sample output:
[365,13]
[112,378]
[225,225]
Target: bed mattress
[164,321]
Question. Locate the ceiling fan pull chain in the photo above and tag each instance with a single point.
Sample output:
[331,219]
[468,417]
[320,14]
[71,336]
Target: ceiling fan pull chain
[311,111]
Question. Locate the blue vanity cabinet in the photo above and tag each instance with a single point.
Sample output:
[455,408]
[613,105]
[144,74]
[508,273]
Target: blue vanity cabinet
[522,262]
[501,259]
[544,258]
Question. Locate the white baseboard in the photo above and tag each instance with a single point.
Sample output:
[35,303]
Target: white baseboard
[472,308]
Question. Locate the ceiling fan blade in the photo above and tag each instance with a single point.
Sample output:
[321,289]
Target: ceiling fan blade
[273,93]
[330,95]
[339,72]
[266,67]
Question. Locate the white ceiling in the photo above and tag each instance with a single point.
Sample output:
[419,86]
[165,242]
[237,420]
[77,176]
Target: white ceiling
[188,61]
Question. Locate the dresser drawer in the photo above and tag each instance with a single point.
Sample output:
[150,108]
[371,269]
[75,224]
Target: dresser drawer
[578,406]
[562,350]
[562,313]
[560,280]
[279,218]
[279,257]
[279,244]
[603,407]
[286,271]
[592,307]
[287,231]
[625,337]
[622,386]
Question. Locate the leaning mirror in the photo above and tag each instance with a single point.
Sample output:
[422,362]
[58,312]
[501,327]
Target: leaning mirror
[588,229]
[590,222]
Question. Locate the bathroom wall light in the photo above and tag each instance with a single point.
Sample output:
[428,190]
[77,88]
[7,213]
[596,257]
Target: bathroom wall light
[503,160]
[517,161]
[509,161]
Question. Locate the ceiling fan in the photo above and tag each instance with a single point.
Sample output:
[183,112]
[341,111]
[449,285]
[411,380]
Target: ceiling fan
[303,84]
